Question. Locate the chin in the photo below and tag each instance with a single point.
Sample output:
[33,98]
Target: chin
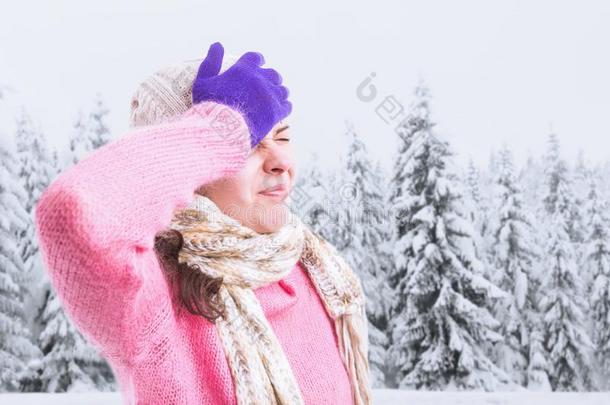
[273,219]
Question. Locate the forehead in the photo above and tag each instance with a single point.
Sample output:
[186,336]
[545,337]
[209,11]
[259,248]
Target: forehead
[280,124]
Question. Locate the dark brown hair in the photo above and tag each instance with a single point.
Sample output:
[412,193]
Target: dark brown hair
[196,291]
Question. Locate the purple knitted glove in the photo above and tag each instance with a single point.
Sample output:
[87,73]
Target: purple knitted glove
[248,88]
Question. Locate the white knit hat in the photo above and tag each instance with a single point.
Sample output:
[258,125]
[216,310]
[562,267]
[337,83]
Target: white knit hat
[168,92]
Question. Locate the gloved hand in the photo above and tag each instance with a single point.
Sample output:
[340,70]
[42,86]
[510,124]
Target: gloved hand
[248,88]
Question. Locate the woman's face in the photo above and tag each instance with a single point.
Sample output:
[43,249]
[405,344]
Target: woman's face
[248,196]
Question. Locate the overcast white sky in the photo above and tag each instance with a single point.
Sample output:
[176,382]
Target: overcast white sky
[498,71]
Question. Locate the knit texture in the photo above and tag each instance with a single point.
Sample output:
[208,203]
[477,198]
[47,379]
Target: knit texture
[168,92]
[96,225]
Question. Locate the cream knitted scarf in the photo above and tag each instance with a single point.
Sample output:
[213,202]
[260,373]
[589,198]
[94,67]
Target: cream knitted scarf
[221,246]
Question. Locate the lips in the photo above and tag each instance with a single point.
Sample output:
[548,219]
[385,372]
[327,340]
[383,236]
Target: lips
[279,190]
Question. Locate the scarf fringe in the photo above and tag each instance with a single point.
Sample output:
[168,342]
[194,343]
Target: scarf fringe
[352,331]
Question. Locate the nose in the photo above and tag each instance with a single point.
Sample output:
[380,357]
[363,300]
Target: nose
[277,161]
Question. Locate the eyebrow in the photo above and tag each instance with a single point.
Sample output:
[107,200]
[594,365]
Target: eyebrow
[277,131]
[281,129]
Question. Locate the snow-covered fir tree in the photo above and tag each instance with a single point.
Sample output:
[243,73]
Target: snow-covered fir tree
[16,347]
[556,175]
[80,144]
[98,128]
[440,320]
[367,223]
[604,174]
[55,161]
[538,368]
[478,203]
[597,263]
[90,131]
[531,176]
[579,232]
[587,197]
[492,162]
[311,200]
[320,197]
[34,160]
[35,172]
[515,258]
[581,176]
[410,130]
[566,339]
[473,189]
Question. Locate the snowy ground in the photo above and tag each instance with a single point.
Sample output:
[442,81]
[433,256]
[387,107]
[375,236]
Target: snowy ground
[381,397]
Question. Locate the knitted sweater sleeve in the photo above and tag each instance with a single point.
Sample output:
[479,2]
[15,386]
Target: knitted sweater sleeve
[97,221]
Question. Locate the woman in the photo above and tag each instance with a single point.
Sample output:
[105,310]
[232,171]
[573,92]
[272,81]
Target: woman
[255,308]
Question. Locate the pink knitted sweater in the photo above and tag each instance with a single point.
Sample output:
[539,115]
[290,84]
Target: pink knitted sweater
[96,225]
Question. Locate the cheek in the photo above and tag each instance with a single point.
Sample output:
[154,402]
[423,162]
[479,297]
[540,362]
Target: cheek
[246,184]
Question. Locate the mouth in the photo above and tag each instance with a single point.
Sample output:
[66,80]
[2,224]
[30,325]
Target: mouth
[277,192]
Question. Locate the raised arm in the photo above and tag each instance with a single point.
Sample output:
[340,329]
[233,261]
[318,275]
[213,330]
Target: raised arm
[97,221]
[99,217]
